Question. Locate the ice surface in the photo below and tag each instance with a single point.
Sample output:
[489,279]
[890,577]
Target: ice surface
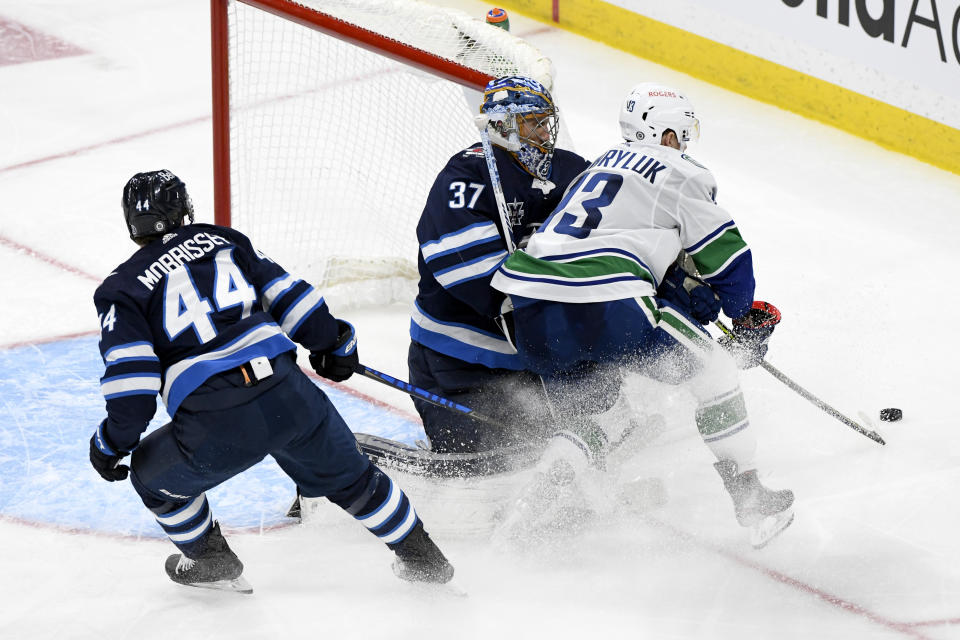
[855,245]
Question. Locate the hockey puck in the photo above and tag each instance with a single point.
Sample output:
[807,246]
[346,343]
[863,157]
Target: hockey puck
[890,415]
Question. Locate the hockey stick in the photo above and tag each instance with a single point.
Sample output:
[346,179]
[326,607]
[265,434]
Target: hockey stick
[497,189]
[381,449]
[397,455]
[423,394]
[803,393]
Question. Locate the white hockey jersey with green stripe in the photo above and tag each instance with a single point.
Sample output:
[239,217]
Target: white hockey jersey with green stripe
[621,224]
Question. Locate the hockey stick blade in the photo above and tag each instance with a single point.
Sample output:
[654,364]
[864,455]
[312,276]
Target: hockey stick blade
[820,404]
[814,400]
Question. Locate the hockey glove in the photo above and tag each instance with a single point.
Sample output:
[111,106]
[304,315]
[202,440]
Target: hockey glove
[748,344]
[689,294]
[105,458]
[342,360]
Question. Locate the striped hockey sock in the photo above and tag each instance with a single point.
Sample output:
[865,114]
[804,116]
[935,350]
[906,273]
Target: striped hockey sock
[380,505]
[187,525]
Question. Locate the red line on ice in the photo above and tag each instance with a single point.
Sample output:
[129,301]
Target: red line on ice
[934,623]
[33,253]
[906,628]
[105,143]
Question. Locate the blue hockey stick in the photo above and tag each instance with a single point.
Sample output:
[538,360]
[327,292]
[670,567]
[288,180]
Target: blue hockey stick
[423,394]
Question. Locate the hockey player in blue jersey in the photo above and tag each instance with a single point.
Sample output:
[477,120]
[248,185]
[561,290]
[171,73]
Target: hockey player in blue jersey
[202,318]
[594,292]
[457,349]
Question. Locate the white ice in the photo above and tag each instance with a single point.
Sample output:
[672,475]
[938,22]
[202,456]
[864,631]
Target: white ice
[855,244]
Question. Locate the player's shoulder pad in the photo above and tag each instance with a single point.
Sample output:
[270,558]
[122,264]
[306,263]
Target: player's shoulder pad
[565,156]
[692,161]
[688,168]
[115,287]
[465,165]
[697,178]
[215,228]
[229,234]
[476,151]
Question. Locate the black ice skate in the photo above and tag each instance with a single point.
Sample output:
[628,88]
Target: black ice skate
[766,513]
[420,560]
[216,568]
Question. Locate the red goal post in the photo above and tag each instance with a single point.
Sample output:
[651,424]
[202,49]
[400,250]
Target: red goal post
[331,119]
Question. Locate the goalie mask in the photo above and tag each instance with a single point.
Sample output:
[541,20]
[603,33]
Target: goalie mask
[519,115]
[651,109]
[154,203]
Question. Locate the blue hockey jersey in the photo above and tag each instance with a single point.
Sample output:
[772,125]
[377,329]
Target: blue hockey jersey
[195,303]
[461,247]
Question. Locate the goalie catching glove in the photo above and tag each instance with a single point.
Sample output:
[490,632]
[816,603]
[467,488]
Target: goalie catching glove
[750,334]
[342,360]
[689,294]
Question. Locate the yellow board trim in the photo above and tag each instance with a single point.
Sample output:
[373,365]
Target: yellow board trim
[890,127]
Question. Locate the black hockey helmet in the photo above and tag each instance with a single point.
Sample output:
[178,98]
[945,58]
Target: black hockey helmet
[154,203]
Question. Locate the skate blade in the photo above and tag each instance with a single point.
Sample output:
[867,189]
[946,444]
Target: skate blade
[294,510]
[237,585]
[763,532]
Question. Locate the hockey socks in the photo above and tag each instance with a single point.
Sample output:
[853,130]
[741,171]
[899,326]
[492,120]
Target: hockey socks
[205,560]
[380,505]
[186,524]
[725,429]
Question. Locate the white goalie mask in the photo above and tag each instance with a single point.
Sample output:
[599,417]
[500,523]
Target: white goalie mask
[650,109]
[519,115]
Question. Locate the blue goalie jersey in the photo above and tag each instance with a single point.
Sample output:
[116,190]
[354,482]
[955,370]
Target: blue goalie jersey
[462,246]
[198,302]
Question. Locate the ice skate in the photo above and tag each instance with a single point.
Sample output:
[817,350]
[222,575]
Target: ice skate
[766,513]
[295,508]
[420,560]
[549,506]
[218,567]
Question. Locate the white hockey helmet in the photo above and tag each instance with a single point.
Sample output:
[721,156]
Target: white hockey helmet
[650,109]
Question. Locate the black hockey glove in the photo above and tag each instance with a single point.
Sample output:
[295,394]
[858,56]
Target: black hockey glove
[342,360]
[105,458]
[748,345]
[689,294]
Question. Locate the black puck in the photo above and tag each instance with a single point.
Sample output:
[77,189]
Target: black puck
[890,415]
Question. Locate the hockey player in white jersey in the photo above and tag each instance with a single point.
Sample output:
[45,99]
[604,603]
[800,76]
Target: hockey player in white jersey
[595,291]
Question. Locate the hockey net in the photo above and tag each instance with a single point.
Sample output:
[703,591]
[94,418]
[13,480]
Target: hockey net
[332,118]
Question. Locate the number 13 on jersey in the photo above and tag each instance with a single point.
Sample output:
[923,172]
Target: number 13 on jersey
[579,212]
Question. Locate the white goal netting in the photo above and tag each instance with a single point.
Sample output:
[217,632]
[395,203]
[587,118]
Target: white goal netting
[334,147]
